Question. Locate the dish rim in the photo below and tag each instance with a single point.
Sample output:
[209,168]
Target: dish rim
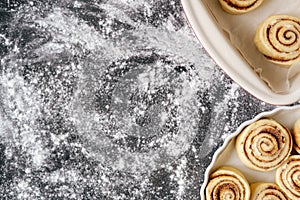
[212,38]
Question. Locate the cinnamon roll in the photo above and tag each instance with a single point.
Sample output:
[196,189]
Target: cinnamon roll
[264,145]
[288,177]
[267,191]
[239,6]
[278,39]
[227,183]
[296,135]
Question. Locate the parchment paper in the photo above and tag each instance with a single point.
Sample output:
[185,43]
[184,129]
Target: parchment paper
[241,30]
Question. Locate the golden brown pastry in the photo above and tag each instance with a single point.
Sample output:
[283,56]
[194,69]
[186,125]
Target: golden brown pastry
[288,177]
[278,39]
[296,135]
[239,6]
[227,183]
[267,191]
[264,145]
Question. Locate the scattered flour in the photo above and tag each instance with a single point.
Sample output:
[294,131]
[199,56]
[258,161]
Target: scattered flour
[129,100]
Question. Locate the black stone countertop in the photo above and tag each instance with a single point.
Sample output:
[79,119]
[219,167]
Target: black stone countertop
[109,100]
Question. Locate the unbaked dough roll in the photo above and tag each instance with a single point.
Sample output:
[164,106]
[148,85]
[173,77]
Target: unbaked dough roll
[296,135]
[278,38]
[267,191]
[239,6]
[288,177]
[264,145]
[227,183]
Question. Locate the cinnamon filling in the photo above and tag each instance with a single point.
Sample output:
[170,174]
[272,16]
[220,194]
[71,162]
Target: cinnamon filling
[237,7]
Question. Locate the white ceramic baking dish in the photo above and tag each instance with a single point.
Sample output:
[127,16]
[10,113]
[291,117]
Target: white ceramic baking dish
[227,155]
[228,58]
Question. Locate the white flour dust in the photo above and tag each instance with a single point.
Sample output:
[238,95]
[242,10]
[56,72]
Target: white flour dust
[150,106]
[109,100]
[171,116]
[21,106]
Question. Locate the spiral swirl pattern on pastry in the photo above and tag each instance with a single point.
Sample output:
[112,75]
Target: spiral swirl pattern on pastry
[288,177]
[278,38]
[267,191]
[227,183]
[264,145]
[239,6]
[296,135]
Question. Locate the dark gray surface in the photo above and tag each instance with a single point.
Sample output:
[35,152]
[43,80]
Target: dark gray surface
[109,100]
